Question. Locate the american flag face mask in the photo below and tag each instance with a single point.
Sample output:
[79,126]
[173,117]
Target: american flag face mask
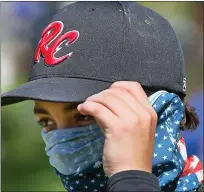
[175,171]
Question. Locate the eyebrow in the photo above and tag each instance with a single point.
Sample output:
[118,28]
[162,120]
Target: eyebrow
[69,107]
[40,111]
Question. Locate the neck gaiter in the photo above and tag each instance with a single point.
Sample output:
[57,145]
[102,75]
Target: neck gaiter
[76,153]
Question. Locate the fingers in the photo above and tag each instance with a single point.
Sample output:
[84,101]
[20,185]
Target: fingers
[132,87]
[101,114]
[111,101]
[123,102]
[127,98]
[136,90]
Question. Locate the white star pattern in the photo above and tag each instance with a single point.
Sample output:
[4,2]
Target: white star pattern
[97,164]
[92,181]
[162,116]
[170,130]
[169,149]
[166,174]
[159,145]
[162,126]
[155,155]
[165,156]
[184,188]
[169,109]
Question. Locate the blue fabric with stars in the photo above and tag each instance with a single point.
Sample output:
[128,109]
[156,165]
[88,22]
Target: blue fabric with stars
[167,159]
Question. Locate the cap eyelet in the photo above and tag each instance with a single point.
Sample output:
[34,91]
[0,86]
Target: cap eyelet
[147,22]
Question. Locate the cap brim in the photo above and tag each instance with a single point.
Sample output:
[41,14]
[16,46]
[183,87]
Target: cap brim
[56,89]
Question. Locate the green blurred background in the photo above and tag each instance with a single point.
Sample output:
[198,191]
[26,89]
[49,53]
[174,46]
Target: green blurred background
[25,166]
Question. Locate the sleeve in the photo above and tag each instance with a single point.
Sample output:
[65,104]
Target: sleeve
[133,181]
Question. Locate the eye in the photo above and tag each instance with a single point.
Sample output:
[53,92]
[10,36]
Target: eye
[81,118]
[45,122]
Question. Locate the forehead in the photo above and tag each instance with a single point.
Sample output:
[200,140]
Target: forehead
[46,107]
[49,104]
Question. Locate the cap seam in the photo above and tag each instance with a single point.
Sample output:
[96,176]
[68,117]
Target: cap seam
[75,76]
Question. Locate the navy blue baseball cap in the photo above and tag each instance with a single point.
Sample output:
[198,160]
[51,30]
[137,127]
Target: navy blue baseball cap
[90,45]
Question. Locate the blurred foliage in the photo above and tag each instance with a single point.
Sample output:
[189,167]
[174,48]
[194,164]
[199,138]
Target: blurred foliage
[24,162]
[25,166]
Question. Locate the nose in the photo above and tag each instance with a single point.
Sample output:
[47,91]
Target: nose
[65,123]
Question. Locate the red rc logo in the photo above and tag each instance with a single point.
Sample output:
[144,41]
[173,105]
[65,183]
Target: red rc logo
[50,43]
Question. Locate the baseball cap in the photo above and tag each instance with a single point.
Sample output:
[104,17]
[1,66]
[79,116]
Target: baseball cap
[87,46]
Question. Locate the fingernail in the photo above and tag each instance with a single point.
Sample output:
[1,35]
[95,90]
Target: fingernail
[79,106]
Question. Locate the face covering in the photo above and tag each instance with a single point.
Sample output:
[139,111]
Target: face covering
[76,153]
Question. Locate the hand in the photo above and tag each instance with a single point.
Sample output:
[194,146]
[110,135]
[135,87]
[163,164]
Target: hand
[128,121]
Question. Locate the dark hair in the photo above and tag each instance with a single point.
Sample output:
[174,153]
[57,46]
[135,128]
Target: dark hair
[190,120]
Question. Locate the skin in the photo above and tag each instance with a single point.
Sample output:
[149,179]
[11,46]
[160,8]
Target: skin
[52,115]
[126,118]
